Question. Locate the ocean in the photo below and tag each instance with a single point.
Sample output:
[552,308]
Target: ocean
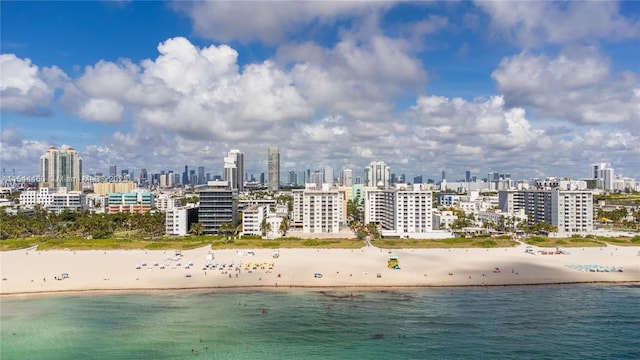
[515,322]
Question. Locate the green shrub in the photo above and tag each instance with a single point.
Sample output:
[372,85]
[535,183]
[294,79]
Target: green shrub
[269,244]
[487,244]
[311,242]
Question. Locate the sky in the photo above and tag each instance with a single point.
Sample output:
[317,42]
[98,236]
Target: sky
[534,89]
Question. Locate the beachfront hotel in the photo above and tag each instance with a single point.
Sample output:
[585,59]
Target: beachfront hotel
[61,168]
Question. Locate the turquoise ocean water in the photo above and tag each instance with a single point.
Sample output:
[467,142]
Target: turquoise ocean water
[528,322]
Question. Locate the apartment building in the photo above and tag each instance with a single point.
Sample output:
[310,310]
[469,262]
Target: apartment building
[404,211]
[252,218]
[322,211]
[569,211]
[138,202]
[218,205]
[178,220]
[52,201]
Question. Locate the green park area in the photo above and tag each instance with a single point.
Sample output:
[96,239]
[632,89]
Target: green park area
[123,241]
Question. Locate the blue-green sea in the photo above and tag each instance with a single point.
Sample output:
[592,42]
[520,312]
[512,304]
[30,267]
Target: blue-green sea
[528,322]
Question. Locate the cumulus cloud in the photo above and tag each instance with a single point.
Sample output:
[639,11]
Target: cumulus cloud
[229,21]
[196,92]
[25,88]
[531,24]
[17,150]
[353,77]
[575,86]
[474,131]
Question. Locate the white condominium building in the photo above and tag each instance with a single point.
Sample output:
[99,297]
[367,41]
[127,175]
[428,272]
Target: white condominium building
[402,212]
[569,211]
[379,208]
[252,218]
[322,211]
[55,202]
[413,212]
[178,220]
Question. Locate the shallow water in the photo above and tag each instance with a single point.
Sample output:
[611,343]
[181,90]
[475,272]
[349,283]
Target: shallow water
[539,322]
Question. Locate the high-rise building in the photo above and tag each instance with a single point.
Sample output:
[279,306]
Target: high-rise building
[444,176]
[322,211]
[604,176]
[327,174]
[406,211]
[293,178]
[467,176]
[346,178]
[274,169]
[569,211]
[185,176]
[144,176]
[201,178]
[218,205]
[302,177]
[113,172]
[377,174]
[595,170]
[61,168]
[234,169]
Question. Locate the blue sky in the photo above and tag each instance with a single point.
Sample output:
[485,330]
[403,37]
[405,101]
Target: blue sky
[532,88]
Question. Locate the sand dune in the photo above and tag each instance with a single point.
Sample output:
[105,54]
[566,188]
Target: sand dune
[36,271]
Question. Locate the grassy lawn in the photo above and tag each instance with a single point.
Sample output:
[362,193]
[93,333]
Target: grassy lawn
[218,242]
[589,241]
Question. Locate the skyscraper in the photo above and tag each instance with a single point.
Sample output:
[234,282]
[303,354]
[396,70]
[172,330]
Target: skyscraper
[234,169]
[274,169]
[144,176]
[346,178]
[61,168]
[201,179]
[327,174]
[112,172]
[185,175]
[377,174]
[467,176]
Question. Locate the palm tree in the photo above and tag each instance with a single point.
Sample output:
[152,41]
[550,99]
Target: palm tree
[196,229]
[265,227]
[284,226]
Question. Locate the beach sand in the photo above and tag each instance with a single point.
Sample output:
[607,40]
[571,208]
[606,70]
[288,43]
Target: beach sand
[34,271]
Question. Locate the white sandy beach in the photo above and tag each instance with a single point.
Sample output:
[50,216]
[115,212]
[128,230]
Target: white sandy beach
[35,271]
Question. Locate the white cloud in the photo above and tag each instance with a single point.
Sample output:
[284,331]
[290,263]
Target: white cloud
[575,86]
[102,110]
[23,87]
[534,23]
[265,21]
[16,151]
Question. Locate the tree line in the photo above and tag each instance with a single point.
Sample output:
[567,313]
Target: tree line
[79,223]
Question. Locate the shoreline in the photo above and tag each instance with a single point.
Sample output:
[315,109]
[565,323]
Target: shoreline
[361,288]
[40,273]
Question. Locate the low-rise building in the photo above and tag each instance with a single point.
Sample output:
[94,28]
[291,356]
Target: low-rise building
[135,201]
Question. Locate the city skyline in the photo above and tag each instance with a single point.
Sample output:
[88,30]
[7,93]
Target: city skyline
[535,89]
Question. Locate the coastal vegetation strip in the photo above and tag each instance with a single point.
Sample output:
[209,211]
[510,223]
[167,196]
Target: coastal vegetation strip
[133,241]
